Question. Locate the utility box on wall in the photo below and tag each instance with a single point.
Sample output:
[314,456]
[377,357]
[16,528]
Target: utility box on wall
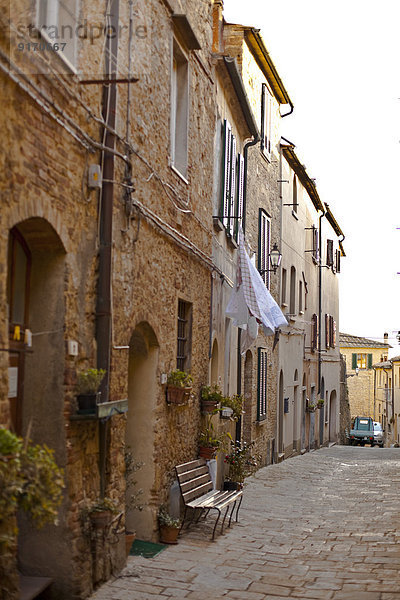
[286,405]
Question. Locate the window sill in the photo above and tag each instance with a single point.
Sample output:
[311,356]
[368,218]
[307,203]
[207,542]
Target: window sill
[217,224]
[284,305]
[231,241]
[182,177]
[261,422]
[301,312]
[59,55]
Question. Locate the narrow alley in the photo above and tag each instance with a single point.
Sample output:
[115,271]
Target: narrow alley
[322,525]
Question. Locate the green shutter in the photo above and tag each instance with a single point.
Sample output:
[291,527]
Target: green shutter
[262,384]
[354,361]
[369,361]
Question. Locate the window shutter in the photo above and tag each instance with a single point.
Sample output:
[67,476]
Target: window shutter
[262,384]
[329,253]
[227,155]
[354,361]
[240,194]
[264,241]
[315,246]
[232,192]
[263,115]
[332,331]
[327,330]
[369,361]
[314,332]
[338,261]
[266,109]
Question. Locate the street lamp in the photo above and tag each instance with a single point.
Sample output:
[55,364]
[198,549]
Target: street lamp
[275,258]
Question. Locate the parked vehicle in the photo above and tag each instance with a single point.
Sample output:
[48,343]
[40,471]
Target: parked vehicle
[378,434]
[362,432]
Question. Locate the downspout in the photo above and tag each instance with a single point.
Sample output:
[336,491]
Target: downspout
[103,308]
[290,111]
[320,303]
[253,142]
[374,394]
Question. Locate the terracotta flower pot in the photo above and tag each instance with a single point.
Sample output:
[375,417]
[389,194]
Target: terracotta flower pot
[168,534]
[208,406]
[129,539]
[178,395]
[100,518]
[207,452]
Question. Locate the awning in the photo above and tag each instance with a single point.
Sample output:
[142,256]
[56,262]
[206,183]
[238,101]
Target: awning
[251,303]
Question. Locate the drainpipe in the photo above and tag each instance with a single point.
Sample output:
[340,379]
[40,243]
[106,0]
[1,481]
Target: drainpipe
[320,303]
[103,308]
[246,147]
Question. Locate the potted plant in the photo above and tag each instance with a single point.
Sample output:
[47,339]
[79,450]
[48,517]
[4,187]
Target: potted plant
[101,513]
[210,440]
[179,387]
[310,406]
[169,527]
[232,407]
[241,463]
[211,397]
[320,403]
[87,387]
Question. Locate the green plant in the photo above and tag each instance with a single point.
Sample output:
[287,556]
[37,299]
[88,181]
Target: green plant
[180,379]
[29,480]
[89,381]
[241,461]
[236,404]
[212,393]
[320,403]
[164,518]
[210,438]
[104,505]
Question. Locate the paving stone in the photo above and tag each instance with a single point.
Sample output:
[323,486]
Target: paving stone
[309,542]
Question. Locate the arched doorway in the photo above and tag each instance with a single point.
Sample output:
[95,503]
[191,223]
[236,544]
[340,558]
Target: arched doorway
[303,413]
[140,434]
[214,371]
[295,410]
[332,417]
[322,413]
[35,292]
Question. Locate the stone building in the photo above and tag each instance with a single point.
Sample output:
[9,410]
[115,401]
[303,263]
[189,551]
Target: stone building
[114,274]
[361,354]
[308,350]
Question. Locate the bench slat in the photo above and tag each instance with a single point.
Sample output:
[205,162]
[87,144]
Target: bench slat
[186,476]
[200,462]
[197,492]
[195,482]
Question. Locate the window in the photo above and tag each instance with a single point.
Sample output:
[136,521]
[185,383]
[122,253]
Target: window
[361,361]
[266,117]
[184,346]
[329,253]
[293,279]
[57,19]
[327,331]
[283,293]
[264,244]
[179,110]
[232,184]
[262,384]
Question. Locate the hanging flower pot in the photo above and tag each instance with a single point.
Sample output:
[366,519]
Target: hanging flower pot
[100,519]
[207,452]
[178,395]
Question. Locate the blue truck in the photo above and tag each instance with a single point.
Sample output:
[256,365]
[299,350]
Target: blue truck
[362,432]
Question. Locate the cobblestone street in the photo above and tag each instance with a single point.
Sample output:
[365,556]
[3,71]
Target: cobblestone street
[322,525]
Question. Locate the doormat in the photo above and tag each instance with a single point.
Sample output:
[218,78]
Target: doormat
[146,549]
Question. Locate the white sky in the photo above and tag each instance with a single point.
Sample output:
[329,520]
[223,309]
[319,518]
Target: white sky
[340,65]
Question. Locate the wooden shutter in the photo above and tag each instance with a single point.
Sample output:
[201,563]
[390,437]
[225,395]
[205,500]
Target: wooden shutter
[369,361]
[314,332]
[329,253]
[338,255]
[240,194]
[262,384]
[332,332]
[226,170]
[232,190]
[266,110]
[354,361]
[315,245]
[264,242]
[327,330]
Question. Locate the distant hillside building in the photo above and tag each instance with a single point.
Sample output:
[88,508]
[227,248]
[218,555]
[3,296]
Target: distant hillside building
[361,354]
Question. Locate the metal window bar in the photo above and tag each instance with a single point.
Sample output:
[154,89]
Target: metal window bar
[182,336]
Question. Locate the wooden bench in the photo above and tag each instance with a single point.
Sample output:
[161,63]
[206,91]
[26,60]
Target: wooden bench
[198,494]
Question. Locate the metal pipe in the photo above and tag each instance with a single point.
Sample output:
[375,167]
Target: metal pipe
[103,308]
[246,147]
[320,302]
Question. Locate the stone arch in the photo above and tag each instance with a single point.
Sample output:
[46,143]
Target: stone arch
[295,410]
[40,374]
[303,412]
[140,435]
[280,413]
